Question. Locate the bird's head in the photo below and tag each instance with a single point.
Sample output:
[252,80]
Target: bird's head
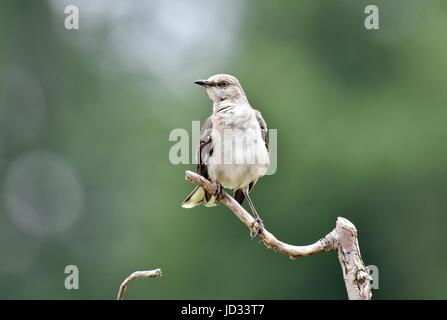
[223,87]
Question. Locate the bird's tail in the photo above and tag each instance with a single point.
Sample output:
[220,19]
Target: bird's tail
[199,196]
[195,198]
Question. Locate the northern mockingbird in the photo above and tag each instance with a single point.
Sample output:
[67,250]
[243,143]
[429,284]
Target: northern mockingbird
[233,148]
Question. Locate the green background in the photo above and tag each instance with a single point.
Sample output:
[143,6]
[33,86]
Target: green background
[85,116]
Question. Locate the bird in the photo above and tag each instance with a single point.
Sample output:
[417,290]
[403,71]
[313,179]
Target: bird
[233,149]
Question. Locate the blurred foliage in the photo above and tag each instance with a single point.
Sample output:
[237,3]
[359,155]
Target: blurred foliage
[361,128]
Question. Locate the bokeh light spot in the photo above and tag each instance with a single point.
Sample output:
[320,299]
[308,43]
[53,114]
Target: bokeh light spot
[43,194]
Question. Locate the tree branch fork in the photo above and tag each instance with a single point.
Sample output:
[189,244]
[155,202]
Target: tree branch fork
[343,239]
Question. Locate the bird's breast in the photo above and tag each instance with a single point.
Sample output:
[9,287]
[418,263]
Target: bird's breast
[239,152]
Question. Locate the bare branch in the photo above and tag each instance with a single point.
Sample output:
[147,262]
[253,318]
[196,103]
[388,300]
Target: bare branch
[355,274]
[343,238]
[137,275]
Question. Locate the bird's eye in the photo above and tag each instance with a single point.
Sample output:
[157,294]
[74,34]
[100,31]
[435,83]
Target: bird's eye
[223,83]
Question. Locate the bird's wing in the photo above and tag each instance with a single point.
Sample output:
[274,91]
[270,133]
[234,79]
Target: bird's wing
[205,148]
[264,129]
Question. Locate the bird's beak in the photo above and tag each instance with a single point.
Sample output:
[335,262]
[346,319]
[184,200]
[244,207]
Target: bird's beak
[202,83]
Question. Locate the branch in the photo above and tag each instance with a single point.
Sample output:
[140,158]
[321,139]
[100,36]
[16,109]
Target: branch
[137,275]
[343,238]
[355,274]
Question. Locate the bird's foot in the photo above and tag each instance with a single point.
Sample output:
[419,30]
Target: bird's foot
[218,190]
[256,228]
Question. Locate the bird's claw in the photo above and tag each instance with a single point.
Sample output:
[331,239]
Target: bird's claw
[256,228]
[218,190]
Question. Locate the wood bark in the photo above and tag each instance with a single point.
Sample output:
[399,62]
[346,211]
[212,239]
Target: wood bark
[342,239]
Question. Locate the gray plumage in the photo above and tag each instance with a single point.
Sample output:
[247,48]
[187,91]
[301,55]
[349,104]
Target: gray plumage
[233,148]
